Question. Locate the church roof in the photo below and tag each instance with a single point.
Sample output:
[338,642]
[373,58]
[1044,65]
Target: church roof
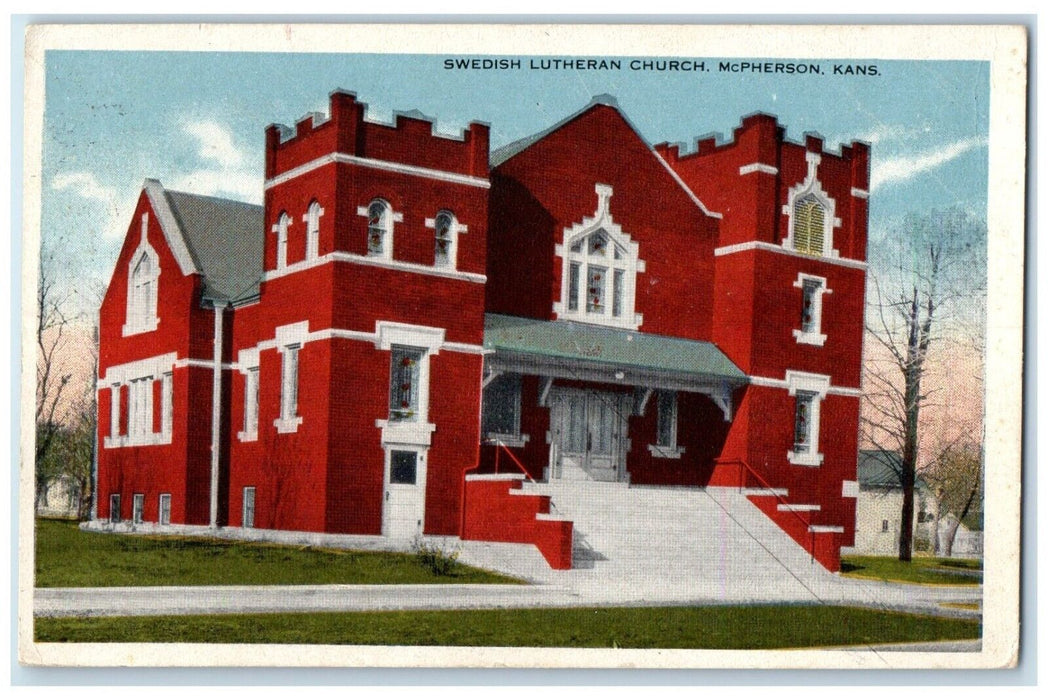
[226,242]
[580,345]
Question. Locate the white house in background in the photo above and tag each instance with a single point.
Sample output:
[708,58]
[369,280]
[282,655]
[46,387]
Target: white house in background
[61,499]
[878,509]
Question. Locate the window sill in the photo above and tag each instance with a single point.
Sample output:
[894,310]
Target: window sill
[809,338]
[111,441]
[406,432]
[288,425]
[129,329]
[244,436]
[506,439]
[627,321]
[805,459]
[665,451]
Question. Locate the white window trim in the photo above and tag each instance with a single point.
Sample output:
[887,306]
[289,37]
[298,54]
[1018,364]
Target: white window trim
[395,217]
[160,509]
[812,186]
[817,384]
[137,320]
[671,450]
[288,420]
[243,507]
[281,228]
[417,432]
[631,264]
[114,416]
[312,221]
[149,370]
[293,334]
[167,412]
[816,336]
[251,377]
[138,508]
[456,229]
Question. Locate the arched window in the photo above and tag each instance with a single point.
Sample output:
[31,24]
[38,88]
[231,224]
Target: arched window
[313,230]
[809,225]
[446,235]
[142,293]
[812,214]
[281,227]
[600,278]
[599,274]
[380,229]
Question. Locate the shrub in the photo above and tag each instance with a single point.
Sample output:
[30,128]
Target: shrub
[436,556]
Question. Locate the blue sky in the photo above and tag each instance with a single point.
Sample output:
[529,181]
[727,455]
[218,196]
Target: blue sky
[195,121]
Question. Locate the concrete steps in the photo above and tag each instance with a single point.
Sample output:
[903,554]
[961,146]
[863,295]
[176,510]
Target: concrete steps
[677,537]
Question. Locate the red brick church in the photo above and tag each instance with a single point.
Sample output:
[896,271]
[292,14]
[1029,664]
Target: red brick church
[412,322]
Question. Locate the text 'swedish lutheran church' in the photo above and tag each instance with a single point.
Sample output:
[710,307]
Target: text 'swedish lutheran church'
[409,314]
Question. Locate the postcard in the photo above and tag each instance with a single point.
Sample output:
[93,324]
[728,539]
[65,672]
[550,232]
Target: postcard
[541,346]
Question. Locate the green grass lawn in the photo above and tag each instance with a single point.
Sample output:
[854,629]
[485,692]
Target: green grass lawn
[718,627]
[927,570]
[68,557]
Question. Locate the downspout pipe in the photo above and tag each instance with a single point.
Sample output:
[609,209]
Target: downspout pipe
[216,412]
[94,441]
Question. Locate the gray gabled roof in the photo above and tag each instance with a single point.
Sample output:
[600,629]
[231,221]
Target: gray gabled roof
[226,241]
[583,343]
[881,469]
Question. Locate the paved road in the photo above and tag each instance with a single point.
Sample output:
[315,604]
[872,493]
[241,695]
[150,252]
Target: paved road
[203,600]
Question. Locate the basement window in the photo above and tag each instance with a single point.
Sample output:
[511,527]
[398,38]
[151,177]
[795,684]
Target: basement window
[164,510]
[248,514]
[138,505]
[666,427]
[500,419]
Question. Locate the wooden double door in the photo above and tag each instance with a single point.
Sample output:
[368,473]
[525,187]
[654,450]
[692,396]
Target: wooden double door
[589,433]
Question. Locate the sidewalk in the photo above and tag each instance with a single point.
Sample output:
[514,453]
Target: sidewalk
[549,588]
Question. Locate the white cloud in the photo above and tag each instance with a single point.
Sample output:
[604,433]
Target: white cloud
[901,168]
[87,186]
[117,204]
[886,132]
[227,171]
[216,143]
[236,184]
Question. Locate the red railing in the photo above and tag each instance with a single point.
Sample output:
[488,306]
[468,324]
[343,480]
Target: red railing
[501,447]
[778,497]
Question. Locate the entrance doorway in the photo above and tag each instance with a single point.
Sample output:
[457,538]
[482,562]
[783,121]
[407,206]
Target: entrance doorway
[404,499]
[589,434]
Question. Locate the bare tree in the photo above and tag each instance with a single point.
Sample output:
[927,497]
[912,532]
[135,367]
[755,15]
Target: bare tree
[51,381]
[956,477]
[930,290]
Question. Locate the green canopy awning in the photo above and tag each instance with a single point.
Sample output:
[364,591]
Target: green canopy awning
[596,353]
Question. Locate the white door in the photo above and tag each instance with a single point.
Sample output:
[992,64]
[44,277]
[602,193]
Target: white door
[588,428]
[404,497]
